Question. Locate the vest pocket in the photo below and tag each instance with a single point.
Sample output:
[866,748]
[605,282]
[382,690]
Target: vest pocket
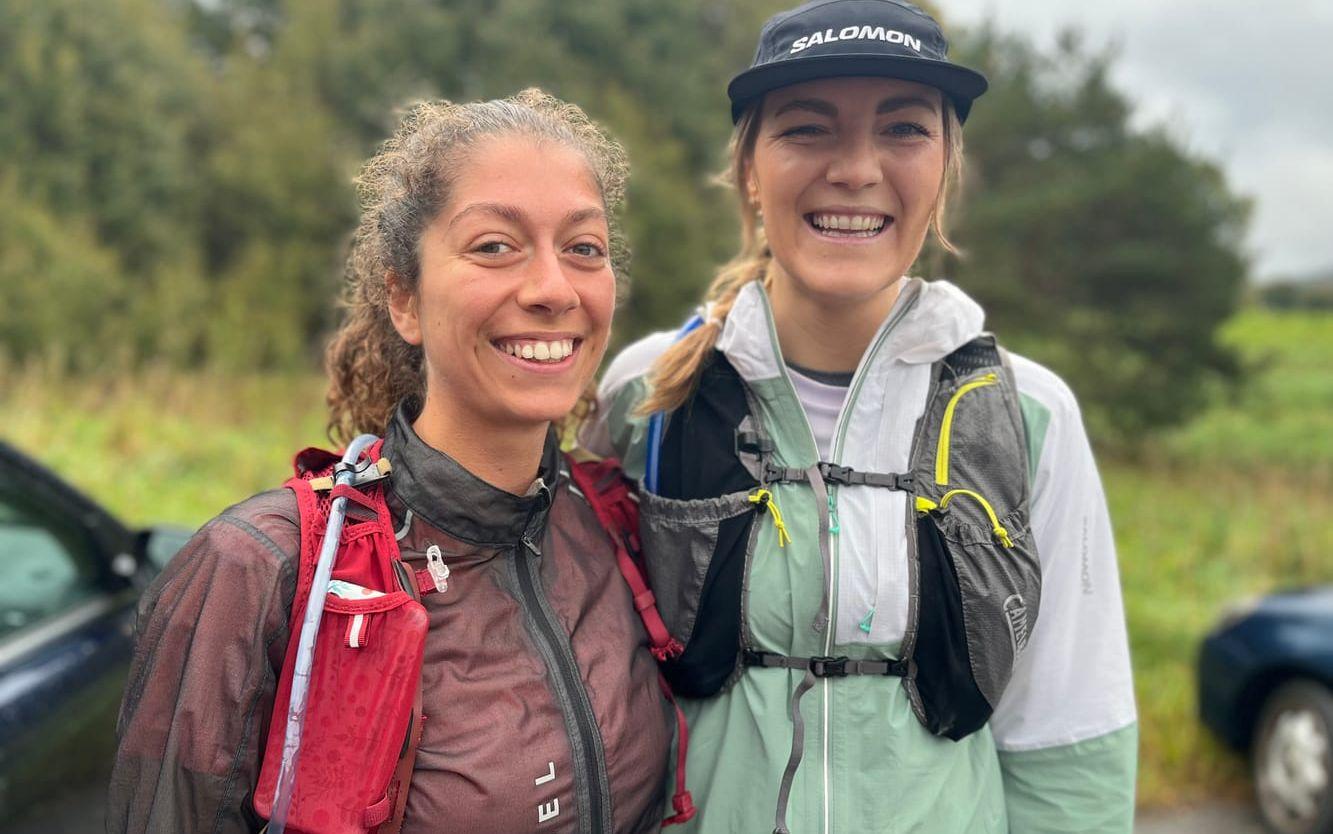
[694,551]
[979,597]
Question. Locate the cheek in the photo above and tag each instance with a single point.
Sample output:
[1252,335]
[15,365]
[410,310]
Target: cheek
[599,299]
[919,182]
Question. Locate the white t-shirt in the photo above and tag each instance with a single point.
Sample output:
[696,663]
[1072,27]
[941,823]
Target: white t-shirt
[822,399]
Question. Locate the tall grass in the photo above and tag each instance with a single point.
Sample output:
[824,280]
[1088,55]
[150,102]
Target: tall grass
[1236,502]
[163,447]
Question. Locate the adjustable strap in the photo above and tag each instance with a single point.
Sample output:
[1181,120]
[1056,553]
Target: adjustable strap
[825,667]
[681,800]
[839,475]
[815,668]
[797,751]
[608,495]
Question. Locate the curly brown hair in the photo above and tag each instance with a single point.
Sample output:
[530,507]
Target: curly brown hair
[402,189]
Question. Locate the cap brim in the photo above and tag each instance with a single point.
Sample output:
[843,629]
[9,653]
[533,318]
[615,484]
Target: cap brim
[959,83]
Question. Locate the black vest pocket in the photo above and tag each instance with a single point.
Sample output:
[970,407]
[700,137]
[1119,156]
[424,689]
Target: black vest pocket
[695,554]
[979,600]
[954,706]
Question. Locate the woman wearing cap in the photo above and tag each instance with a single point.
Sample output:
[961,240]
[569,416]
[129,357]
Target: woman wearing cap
[882,539]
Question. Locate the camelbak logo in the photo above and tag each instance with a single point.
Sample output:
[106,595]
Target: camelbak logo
[1017,614]
[855,33]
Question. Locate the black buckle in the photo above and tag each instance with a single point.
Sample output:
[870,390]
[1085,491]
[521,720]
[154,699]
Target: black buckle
[829,667]
[835,473]
[904,482]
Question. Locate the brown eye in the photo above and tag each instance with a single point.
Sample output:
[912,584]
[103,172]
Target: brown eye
[493,247]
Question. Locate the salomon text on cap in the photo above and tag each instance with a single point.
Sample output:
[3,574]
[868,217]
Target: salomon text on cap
[833,38]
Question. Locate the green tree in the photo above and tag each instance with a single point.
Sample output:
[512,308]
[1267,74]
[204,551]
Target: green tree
[1108,253]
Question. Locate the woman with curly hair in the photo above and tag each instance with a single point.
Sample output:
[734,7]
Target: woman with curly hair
[481,286]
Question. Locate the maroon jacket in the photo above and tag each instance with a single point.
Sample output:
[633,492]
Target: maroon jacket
[543,712]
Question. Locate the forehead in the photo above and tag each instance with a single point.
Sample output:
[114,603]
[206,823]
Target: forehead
[852,94]
[526,171]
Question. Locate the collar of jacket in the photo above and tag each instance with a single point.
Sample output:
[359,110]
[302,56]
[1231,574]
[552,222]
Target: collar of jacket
[442,493]
[929,321]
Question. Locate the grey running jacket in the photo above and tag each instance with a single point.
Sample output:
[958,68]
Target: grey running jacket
[543,711]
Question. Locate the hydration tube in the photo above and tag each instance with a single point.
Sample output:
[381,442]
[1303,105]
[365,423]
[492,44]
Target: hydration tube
[658,420]
[305,650]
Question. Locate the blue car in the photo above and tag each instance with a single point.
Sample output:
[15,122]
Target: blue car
[1266,688]
[71,575]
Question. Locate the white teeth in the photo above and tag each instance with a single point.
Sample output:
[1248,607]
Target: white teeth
[553,351]
[865,224]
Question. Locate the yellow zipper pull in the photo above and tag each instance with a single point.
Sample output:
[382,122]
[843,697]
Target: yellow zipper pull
[764,499]
[996,527]
[946,426]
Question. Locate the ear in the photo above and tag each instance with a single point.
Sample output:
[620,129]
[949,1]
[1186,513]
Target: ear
[403,310]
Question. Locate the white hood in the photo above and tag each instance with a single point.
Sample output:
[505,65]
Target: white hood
[929,321]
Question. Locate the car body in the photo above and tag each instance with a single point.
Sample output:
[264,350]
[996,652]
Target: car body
[72,574]
[1266,688]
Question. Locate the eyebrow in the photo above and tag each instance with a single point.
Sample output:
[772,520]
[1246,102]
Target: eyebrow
[504,212]
[815,105]
[515,215]
[888,105]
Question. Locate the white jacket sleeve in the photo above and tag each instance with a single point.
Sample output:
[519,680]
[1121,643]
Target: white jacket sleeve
[1066,727]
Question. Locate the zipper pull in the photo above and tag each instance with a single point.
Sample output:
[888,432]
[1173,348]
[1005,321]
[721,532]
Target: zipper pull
[439,571]
[864,625]
[833,526]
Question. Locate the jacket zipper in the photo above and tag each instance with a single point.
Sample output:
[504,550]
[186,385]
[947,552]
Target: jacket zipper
[569,684]
[828,509]
[946,425]
[941,450]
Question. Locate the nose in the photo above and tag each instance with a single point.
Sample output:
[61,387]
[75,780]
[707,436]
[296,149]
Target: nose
[855,164]
[547,290]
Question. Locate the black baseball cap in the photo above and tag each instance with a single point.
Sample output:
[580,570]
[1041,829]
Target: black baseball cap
[833,38]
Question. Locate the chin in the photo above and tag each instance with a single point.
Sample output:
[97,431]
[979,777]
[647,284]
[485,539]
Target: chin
[545,409]
[848,287]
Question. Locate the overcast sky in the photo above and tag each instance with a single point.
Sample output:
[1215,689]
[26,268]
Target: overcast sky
[1248,84]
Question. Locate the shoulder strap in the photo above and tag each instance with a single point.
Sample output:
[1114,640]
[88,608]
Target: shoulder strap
[608,493]
[657,421]
[314,489]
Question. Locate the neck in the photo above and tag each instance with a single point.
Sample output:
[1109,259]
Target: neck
[506,457]
[824,336]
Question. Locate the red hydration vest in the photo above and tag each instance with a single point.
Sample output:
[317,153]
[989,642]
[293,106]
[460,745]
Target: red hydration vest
[363,717]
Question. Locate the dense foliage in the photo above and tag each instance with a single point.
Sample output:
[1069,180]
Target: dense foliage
[175,179]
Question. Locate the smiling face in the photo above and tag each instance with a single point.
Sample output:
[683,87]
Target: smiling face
[846,172]
[514,302]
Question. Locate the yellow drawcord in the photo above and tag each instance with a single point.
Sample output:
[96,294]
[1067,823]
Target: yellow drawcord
[925,505]
[765,500]
[946,426]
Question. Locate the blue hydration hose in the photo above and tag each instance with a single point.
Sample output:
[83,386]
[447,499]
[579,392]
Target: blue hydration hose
[305,650]
[657,422]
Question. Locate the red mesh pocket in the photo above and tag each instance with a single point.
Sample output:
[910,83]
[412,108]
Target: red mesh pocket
[365,677]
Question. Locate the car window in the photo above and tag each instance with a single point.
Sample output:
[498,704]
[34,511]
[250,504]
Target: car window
[47,563]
